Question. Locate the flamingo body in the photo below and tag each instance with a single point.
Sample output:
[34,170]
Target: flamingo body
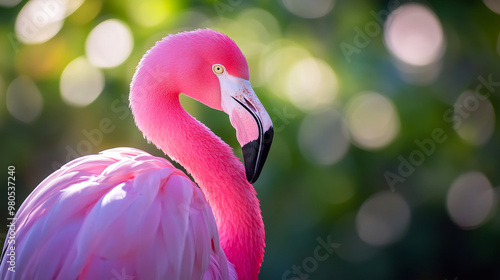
[126,214]
[135,196]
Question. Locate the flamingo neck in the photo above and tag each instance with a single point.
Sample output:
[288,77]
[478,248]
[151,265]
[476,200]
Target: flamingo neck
[221,177]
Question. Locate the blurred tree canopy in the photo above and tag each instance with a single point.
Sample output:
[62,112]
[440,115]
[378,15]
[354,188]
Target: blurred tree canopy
[385,159]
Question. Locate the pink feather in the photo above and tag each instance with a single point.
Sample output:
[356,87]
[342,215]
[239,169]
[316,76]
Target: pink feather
[134,196]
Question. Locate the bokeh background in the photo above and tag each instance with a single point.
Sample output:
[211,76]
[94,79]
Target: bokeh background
[385,114]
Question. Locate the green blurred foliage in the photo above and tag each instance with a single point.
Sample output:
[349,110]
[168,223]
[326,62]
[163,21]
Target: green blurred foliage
[300,199]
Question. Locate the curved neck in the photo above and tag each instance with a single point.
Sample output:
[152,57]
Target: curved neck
[221,177]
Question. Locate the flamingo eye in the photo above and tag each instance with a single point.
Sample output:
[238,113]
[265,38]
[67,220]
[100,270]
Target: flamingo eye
[218,69]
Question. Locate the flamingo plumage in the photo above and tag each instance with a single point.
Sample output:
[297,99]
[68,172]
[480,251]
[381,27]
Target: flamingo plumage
[124,213]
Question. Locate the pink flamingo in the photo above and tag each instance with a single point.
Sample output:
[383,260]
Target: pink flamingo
[124,214]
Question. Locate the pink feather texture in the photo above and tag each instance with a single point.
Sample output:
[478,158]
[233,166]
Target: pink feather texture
[124,212]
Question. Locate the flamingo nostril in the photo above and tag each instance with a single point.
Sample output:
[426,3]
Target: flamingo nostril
[250,105]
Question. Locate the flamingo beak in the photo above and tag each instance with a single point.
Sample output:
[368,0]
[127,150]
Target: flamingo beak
[254,128]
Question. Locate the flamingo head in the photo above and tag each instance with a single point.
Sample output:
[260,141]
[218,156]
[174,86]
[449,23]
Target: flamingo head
[208,66]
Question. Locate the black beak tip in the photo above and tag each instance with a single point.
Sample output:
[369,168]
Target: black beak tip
[251,180]
[255,154]
[250,153]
